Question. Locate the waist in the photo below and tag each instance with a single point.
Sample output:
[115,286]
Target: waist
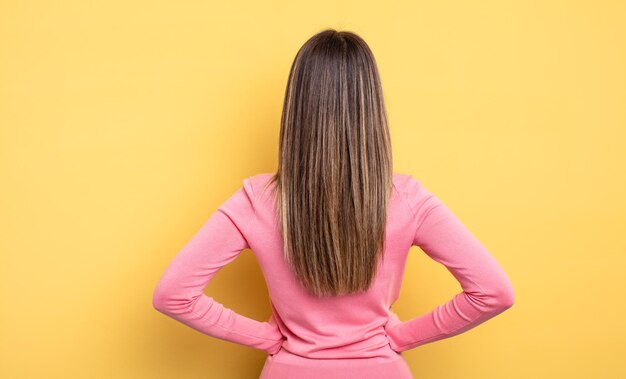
[286,365]
[372,357]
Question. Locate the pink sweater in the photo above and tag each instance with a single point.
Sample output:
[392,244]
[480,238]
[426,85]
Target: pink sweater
[355,326]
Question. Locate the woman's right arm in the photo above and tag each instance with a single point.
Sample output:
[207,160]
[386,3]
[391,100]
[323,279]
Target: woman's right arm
[487,290]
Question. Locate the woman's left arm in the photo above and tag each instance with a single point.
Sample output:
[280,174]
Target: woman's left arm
[179,292]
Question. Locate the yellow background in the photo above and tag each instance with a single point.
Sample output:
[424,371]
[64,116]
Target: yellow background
[125,124]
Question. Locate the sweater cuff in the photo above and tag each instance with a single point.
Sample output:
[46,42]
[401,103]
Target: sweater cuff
[255,334]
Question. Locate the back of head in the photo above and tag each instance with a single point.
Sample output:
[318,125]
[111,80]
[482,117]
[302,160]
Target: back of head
[334,174]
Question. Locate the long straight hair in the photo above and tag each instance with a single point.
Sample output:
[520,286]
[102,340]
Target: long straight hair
[334,176]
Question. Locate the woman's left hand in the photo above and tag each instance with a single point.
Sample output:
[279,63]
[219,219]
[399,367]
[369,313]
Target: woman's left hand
[280,338]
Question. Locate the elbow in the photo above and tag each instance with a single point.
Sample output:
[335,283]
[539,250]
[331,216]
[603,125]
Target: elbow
[503,298]
[159,301]
[496,298]
[167,295]
[164,298]
[172,301]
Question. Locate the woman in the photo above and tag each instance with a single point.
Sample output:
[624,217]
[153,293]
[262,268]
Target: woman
[331,230]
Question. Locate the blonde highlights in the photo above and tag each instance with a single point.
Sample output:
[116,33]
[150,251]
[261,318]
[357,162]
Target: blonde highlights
[334,174]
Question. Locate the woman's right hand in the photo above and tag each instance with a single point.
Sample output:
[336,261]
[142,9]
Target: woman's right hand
[391,323]
[279,343]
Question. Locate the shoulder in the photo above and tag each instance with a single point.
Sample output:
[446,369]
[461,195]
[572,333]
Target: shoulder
[257,185]
[401,180]
[260,178]
[242,204]
[413,192]
[406,184]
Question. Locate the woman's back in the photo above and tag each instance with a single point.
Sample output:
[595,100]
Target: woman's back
[348,326]
[341,336]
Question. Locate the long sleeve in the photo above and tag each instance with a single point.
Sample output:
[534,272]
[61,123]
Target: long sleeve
[487,290]
[179,293]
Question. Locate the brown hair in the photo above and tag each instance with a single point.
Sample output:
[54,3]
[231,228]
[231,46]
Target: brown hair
[334,174]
